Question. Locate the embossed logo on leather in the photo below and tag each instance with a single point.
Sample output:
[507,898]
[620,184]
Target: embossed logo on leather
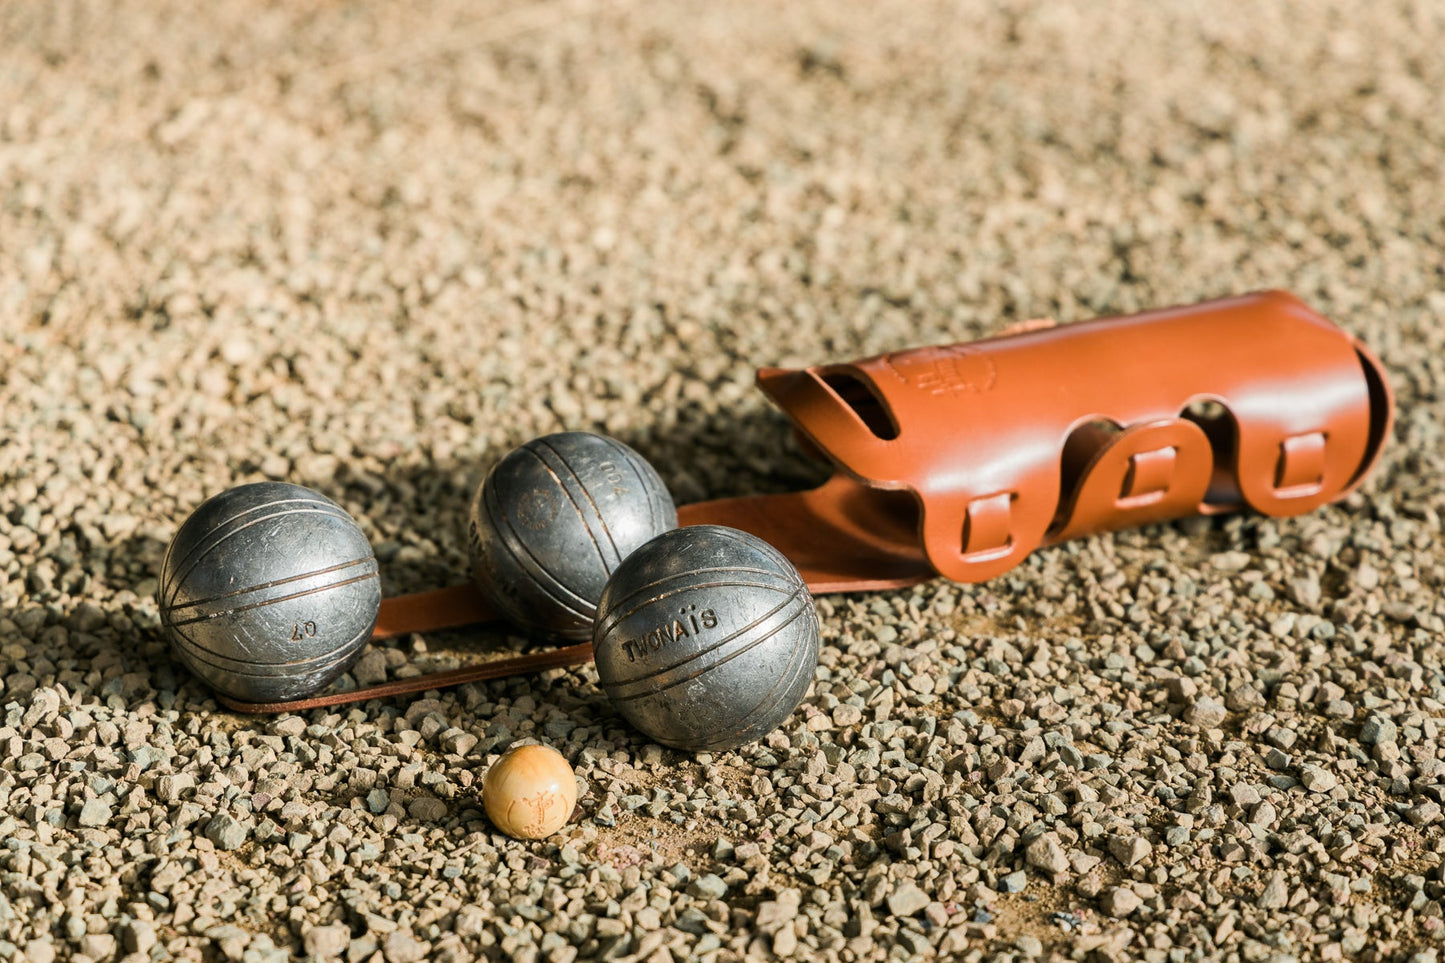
[948,370]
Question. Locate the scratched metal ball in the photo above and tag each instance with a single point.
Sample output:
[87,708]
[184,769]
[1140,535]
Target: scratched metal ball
[554,519]
[268,592]
[706,638]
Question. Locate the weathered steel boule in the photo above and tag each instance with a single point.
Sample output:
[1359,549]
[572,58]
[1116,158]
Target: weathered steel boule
[706,638]
[554,519]
[268,592]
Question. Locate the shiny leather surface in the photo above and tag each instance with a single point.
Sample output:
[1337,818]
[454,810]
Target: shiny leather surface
[1004,445]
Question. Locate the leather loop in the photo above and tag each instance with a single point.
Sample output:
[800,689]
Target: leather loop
[1148,473]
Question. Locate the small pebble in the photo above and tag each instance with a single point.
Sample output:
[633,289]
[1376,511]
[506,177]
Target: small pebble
[94,813]
[1205,712]
[226,832]
[708,886]
[1048,854]
[427,808]
[287,726]
[1130,849]
[1424,814]
[1277,759]
[1378,729]
[1120,901]
[1275,893]
[1316,779]
[402,946]
[1013,882]
[907,900]
[1230,562]
[326,942]
[138,936]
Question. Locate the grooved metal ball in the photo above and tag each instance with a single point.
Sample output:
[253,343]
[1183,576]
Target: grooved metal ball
[269,591]
[706,638]
[554,519]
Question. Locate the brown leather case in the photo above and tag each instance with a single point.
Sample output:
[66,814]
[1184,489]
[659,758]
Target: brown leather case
[960,460]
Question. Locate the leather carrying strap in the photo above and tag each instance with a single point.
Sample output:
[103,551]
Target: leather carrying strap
[960,460]
[495,669]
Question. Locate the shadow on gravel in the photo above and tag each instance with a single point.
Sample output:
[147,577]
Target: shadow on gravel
[705,454]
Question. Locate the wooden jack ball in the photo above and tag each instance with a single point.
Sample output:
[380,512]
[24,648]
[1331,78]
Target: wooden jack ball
[530,792]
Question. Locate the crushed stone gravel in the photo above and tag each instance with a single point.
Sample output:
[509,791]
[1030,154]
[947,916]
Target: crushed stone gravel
[370,247]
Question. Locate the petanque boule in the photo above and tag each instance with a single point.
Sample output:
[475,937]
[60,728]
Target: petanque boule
[554,519]
[706,638]
[268,592]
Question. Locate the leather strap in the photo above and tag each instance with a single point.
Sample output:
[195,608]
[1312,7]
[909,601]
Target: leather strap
[495,669]
[429,611]
[960,460]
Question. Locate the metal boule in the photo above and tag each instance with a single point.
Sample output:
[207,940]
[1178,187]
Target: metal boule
[268,592]
[706,638]
[554,519]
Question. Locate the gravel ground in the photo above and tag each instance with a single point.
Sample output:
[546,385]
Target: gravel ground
[369,247]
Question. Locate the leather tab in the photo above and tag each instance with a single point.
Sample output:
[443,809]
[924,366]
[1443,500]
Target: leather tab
[986,531]
[1301,467]
[1148,475]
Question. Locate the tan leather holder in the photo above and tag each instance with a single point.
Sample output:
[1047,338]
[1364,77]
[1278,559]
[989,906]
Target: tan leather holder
[1004,445]
[962,459]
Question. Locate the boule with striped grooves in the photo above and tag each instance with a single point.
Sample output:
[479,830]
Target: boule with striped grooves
[553,519]
[268,592]
[706,638]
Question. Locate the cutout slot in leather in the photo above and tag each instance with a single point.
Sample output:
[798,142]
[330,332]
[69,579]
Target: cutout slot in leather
[987,527]
[864,402]
[1217,423]
[1301,468]
[1148,476]
[1382,410]
[1080,448]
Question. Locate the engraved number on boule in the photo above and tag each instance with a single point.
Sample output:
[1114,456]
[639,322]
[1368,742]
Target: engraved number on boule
[303,631]
[613,474]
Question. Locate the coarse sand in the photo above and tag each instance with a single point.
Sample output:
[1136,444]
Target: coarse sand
[369,247]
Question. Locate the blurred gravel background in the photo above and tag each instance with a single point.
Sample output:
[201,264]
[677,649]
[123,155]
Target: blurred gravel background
[369,247]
